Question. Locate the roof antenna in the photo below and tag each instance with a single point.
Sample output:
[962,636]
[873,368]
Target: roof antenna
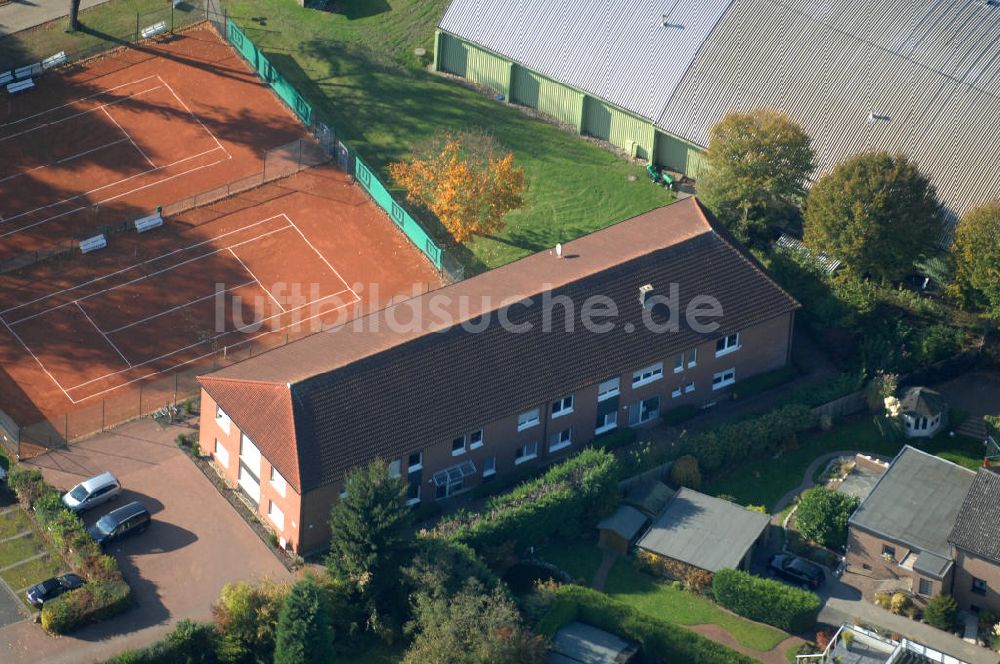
[559,249]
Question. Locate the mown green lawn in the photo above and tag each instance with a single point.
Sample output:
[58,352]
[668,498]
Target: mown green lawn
[660,600]
[20,548]
[360,71]
[579,559]
[764,481]
[13,522]
[34,571]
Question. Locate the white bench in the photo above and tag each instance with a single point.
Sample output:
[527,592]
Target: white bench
[20,86]
[6,77]
[148,223]
[93,243]
[155,29]
[54,60]
[28,71]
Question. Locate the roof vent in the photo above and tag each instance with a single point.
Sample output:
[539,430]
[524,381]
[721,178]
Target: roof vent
[645,293]
[872,117]
[559,249]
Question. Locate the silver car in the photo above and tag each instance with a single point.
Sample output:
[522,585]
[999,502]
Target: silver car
[93,492]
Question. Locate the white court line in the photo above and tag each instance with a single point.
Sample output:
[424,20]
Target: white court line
[344,281]
[63,160]
[128,136]
[173,309]
[42,366]
[191,113]
[250,272]
[137,265]
[101,332]
[76,101]
[200,357]
[151,274]
[76,115]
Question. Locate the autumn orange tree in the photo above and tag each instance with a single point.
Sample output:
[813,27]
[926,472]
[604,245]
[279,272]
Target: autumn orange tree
[466,179]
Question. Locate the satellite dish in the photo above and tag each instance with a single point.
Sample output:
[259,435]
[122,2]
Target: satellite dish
[559,249]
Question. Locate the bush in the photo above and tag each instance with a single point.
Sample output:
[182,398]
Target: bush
[678,415]
[685,473]
[822,516]
[505,482]
[97,600]
[660,641]
[941,612]
[568,499]
[615,439]
[189,643]
[899,603]
[766,381]
[766,600]
[883,600]
[27,484]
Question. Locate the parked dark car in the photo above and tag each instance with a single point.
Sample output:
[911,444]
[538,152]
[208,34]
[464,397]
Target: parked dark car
[127,520]
[797,570]
[48,589]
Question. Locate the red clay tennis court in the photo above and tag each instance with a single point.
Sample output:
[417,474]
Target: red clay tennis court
[117,137]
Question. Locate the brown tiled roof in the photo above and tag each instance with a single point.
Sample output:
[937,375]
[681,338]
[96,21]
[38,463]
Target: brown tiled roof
[977,528]
[361,391]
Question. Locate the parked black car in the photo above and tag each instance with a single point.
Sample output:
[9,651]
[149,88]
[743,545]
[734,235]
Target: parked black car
[797,570]
[127,520]
[48,589]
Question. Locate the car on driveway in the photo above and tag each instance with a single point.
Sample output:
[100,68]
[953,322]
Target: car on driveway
[48,589]
[797,570]
[92,492]
[130,519]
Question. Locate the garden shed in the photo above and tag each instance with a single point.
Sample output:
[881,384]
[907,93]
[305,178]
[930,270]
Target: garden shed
[619,530]
[924,412]
[704,532]
[650,498]
[581,643]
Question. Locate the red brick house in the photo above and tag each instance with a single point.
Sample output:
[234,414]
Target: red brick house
[498,370]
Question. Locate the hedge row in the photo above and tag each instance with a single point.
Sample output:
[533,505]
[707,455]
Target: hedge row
[766,600]
[660,641]
[189,643]
[567,500]
[730,443]
[106,593]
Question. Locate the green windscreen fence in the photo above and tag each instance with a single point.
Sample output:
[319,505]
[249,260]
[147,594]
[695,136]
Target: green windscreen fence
[259,61]
[413,230]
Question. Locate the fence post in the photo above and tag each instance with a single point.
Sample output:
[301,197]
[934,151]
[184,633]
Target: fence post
[103,404]
[137,27]
[140,399]
[171,16]
[175,388]
[66,429]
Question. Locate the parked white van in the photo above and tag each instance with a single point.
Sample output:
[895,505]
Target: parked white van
[93,492]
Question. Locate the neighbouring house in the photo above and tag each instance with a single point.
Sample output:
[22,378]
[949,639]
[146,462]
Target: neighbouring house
[924,412]
[579,643]
[471,381]
[858,645]
[705,532]
[930,526]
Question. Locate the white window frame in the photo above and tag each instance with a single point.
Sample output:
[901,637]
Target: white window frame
[250,455]
[490,466]
[720,381]
[609,388]
[278,482]
[528,419]
[419,465]
[651,414]
[608,426]
[679,363]
[464,448]
[689,388]
[524,454]
[676,393]
[647,375]
[692,358]
[278,521]
[727,345]
[222,419]
[394,467]
[561,440]
[221,454]
[563,408]
[416,499]
[473,444]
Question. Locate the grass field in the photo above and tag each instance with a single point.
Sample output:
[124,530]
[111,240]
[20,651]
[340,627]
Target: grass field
[360,70]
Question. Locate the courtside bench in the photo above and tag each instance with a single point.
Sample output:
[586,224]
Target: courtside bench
[148,223]
[20,86]
[28,71]
[155,29]
[54,60]
[93,243]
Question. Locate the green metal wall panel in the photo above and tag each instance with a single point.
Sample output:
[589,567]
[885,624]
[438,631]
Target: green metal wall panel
[619,128]
[454,55]
[678,155]
[549,97]
[488,70]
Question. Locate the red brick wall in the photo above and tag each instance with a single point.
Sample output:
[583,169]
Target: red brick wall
[968,566]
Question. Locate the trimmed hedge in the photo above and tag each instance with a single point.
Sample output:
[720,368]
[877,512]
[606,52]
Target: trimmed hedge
[568,499]
[189,643]
[106,594]
[97,600]
[660,641]
[763,382]
[766,600]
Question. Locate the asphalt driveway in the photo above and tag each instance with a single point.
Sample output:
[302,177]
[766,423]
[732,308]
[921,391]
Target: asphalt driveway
[195,544]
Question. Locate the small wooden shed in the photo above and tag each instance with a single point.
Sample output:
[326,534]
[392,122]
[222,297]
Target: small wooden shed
[620,529]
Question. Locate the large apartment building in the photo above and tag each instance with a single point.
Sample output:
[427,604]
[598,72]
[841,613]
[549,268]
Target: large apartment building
[524,364]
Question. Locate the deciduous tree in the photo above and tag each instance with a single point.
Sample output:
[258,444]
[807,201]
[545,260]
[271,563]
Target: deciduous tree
[822,516]
[876,212]
[466,179]
[758,164]
[976,252]
[245,618]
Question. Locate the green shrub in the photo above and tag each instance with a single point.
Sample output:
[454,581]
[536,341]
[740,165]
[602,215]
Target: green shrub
[615,439]
[505,482]
[685,473]
[941,612]
[766,600]
[822,516]
[678,415]
[660,641]
[428,512]
[568,499]
[27,484]
[97,600]
[766,381]
[189,643]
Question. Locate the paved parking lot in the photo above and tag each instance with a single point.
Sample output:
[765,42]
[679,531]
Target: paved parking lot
[195,545]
